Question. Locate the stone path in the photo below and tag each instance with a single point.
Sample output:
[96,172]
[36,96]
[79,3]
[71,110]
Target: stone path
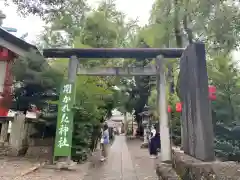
[126,161]
[117,167]
[121,166]
[143,165]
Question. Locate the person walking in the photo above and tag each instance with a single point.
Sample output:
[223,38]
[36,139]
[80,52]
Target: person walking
[105,142]
[154,144]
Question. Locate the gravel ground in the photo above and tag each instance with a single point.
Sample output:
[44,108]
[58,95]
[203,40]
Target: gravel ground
[11,168]
[14,168]
[51,174]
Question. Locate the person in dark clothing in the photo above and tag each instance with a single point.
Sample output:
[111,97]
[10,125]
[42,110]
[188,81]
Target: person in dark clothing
[154,145]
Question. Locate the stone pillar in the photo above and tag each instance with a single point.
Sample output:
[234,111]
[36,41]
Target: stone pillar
[166,150]
[29,127]
[145,136]
[18,134]
[197,117]
[4,132]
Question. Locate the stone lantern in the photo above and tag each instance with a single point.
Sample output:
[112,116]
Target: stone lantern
[146,118]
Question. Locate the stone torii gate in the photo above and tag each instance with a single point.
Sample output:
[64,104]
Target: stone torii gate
[159,54]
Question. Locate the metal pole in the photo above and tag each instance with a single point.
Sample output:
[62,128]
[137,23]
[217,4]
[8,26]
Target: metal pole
[163,117]
[72,76]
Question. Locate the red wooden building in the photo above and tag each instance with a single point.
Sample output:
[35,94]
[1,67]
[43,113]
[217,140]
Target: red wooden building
[10,48]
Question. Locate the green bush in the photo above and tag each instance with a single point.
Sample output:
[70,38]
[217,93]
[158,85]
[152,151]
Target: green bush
[86,133]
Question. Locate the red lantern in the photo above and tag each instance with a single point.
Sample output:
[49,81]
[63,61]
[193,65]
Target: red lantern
[179,107]
[212,93]
[169,109]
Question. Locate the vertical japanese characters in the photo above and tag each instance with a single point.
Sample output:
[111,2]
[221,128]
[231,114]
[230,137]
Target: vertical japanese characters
[65,121]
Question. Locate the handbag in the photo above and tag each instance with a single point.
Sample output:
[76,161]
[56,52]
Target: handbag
[106,141]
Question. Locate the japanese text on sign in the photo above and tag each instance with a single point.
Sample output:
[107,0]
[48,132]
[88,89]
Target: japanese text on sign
[65,117]
[63,130]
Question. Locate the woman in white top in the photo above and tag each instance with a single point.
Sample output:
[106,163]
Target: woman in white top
[105,142]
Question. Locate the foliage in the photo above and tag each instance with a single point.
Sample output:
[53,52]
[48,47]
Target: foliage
[223,69]
[182,22]
[85,133]
[172,23]
[35,82]
[224,74]
[46,8]
[95,97]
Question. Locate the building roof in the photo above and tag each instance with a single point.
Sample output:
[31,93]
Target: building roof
[15,44]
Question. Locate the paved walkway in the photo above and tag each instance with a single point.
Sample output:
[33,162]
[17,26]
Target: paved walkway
[118,166]
[126,161]
[144,166]
[121,166]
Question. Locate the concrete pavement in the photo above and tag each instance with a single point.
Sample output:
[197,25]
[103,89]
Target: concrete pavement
[126,161]
[121,166]
[118,165]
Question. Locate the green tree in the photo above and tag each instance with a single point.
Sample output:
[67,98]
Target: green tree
[34,80]
[103,27]
[224,74]
[183,22]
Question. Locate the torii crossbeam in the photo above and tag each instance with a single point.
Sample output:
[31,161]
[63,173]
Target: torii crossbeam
[159,54]
[141,53]
[119,71]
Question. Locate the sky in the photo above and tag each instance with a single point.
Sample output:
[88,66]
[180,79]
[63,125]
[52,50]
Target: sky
[33,24]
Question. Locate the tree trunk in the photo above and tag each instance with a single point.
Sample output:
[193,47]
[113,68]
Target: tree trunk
[177,29]
[179,42]
[185,23]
